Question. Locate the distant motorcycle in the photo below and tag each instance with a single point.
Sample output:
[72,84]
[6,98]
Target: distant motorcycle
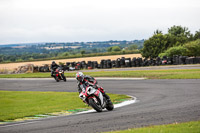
[59,74]
[95,99]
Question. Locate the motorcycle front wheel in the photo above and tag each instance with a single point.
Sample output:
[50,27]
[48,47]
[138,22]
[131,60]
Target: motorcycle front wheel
[95,105]
[57,79]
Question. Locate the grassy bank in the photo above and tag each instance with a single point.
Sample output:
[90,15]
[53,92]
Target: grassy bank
[150,74]
[188,127]
[18,104]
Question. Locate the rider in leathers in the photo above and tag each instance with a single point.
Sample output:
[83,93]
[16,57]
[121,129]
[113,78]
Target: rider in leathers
[88,80]
[54,66]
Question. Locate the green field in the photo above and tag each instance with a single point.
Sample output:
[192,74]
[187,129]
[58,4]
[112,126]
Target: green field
[149,74]
[187,127]
[18,104]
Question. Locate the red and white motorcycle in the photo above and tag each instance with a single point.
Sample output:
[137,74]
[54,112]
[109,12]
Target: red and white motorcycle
[94,98]
[59,74]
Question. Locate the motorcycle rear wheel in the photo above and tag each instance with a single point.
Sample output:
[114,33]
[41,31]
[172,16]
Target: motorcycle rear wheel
[94,105]
[110,106]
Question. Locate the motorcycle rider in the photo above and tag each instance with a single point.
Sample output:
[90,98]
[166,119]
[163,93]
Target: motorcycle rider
[88,80]
[54,66]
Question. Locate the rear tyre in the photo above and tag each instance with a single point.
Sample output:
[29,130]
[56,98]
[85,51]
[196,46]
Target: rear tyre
[96,106]
[110,106]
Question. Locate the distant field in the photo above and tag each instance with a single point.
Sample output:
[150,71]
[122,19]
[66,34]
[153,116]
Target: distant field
[11,66]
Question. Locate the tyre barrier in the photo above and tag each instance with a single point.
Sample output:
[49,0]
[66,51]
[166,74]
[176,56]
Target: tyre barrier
[44,68]
[123,63]
[137,62]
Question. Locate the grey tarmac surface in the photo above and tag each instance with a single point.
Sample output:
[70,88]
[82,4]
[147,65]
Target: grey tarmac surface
[159,102]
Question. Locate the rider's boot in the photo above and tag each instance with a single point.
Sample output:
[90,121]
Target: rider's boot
[52,74]
[105,95]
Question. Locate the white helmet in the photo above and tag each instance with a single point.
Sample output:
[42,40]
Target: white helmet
[79,76]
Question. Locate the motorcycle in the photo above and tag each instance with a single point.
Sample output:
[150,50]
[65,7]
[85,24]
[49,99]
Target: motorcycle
[94,98]
[59,74]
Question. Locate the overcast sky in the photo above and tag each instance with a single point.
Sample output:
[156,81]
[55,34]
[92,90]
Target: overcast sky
[29,21]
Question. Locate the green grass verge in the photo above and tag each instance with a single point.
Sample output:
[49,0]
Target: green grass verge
[18,104]
[187,127]
[150,74]
[26,75]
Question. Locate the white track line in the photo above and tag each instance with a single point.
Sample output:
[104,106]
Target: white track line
[125,103]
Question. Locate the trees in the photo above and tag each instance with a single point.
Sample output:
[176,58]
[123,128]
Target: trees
[154,45]
[178,35]
[114,49]
[1,58]
[158,43]
[133,47]
[193,48]
[82,52]
[176,50]
[109,49]
[189,49]
[65,54]
[197,35]
[179,31]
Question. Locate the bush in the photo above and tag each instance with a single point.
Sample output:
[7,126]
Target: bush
[188,49]
[193,48]
[177,50]
[161,55]
[114,49]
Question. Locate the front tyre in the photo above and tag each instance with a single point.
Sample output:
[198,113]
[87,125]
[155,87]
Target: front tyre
[110,106]
[64,78]
[95,105]
[57,79]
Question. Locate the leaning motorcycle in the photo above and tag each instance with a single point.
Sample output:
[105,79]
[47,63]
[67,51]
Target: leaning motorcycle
[59,74]
[94,98]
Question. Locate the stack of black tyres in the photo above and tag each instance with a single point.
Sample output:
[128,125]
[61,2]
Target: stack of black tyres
[128,62]
[108,63]
[133,62]
[95,64]
[122,62]
[114,63]
[118,63]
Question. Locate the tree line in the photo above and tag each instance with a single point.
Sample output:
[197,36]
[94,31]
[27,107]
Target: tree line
[178,41]
[33,53]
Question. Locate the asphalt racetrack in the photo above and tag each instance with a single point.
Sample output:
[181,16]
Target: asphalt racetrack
[159,102]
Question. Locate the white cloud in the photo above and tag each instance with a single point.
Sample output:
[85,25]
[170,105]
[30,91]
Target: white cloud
[92,20]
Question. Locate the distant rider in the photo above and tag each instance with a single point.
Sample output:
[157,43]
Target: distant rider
[54,66]
[89,81]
